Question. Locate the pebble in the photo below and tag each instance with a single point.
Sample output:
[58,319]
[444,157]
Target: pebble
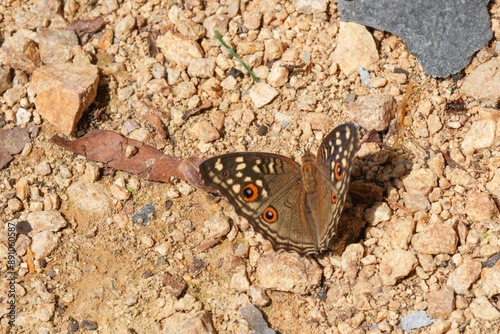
[242,250]
[185,188]
[255,319]
[239,280]
[179,49]
[273,50]
[14,205]
[258,296]
[351,259]
[217,22]
[481,135]
[494,185]
[287,272]
[482,309]
[14,95]
[124,28]
[401,233]
[201,68]
[416,202]
[434,123]
[483,83]
[89,325]
[490,278]
[262,93]
[252,19]
[218,226]
[440,326]
[90,197]
[43,169]
[184,90]
[22,189]
[46,221]
[378,213]
[278,76]
[45,311]
[462,278]
[205,132]
[199,322]
[420,181]
[441,303]
[437,239]
[355,47]
[43,244]
[174,284]
[395,265]
[480,206]
[372,112]
[23,116]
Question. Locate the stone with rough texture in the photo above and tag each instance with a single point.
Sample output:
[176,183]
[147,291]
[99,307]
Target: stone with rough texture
[416,202]
[204,131]
[437,239]
[288,272]
[441,303]
[43,244]
[442,35]
[462,278]
[124,28]
[201,68]
[199,323]
[13,51]
[395,265]
[481,135]
[56,46]
[311,6]
[401,233]
[483,83]
[379,212]
[482,309]
[373,112]
[46,221]
[420,181]
[351,259]
[239,280]
[491,280]
[90,197]
[480,206]
[355,47]
[255,319]
[262,93]
[179,49]
[494,185]
[64,91]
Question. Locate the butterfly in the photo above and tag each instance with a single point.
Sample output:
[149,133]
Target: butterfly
[295,207]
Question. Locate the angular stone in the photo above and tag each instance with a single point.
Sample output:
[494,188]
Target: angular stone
[124,28]
[491,280]
[480,206]
[396,264]
[199,323]
[494,185]
[441,303]
[262,93]
[355,47]
[373,112]
[89,197]
[379,212]
[401,233]
[351,259]
[483,83]
[416,202]
[204,131]
[481,135]
[46,221]
[56,46]
[179,49]
[43,244]
[482,309]
[462,278]
[437,239]
[201,68]
[20,51]
[239,280]
[218,226]
[64,91]
[311,6]
[420,181]
[288,272]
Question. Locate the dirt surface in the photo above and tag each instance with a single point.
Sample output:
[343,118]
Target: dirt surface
[109,272]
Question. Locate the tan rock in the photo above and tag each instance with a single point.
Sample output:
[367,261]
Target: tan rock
[437,239]
[462,277]
[179,49]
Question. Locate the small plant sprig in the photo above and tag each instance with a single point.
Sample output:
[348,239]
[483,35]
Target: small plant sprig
[235,56]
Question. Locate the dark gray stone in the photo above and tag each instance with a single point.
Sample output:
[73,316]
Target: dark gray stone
[442,34]
[144,216]
[255,319]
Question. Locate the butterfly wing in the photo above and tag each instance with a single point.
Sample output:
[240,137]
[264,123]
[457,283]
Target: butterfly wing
[267,190]
[334,162]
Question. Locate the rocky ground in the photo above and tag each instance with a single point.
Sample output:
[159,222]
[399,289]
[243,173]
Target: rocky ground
[103,250]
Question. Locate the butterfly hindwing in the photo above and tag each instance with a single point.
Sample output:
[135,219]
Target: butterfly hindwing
[334,163]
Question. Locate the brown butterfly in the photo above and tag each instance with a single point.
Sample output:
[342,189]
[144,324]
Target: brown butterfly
[295,207]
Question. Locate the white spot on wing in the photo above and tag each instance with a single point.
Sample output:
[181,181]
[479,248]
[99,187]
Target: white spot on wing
[256,169]
[247,179]
[239,159]
[241,166]
[236,188]
[259,183]
[239,174]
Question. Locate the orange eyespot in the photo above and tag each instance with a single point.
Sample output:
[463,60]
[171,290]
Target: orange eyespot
[334,198]
[250,192]
[270,215]
[338,171]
